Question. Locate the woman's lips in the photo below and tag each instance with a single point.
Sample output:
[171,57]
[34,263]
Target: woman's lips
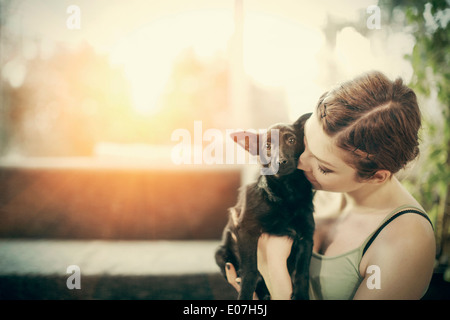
[310,179]
[315,185]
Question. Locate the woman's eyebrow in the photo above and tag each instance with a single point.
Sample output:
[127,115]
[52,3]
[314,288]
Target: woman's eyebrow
[323,161]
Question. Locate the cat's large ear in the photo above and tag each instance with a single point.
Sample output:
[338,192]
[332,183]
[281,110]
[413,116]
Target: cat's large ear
[247,140]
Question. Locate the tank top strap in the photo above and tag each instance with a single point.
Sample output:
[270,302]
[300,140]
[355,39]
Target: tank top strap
[389,218]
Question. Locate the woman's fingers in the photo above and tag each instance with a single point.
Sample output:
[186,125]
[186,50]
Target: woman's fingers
[232,276]
[234,280]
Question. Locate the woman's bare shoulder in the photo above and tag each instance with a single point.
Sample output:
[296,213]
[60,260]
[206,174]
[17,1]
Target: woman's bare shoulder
[404,253]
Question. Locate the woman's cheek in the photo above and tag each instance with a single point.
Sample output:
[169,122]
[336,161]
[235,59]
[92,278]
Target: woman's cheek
[328,183]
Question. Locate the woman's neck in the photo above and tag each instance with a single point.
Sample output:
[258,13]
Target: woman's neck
[373,196]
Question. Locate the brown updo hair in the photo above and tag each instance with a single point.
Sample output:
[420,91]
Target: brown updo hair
[377,120]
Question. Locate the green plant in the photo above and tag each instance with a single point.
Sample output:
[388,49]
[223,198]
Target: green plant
[429,23]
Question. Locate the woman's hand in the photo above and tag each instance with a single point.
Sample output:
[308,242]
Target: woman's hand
[232,277]
[234,280]
[273,253]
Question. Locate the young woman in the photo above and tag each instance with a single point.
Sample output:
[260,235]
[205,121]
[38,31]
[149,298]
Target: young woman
[372,238]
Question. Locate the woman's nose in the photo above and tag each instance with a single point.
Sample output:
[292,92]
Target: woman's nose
[301,162]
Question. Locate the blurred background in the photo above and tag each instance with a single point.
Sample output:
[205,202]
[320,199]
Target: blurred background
[91,93]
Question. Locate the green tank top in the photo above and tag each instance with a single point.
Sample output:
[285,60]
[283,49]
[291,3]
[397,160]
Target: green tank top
[337,277]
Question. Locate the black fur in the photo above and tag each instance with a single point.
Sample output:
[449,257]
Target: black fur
[279,204]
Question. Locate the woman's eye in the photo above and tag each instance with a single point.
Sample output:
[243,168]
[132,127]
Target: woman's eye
[324,170]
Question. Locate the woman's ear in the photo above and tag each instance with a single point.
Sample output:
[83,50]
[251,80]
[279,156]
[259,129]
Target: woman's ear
[381,176]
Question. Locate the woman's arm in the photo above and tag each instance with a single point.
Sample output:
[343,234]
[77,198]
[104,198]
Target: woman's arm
[273,253]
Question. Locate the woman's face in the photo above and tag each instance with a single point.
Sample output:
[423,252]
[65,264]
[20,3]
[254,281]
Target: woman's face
[323,162]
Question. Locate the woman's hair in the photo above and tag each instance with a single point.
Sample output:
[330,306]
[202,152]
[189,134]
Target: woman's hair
[377,120]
